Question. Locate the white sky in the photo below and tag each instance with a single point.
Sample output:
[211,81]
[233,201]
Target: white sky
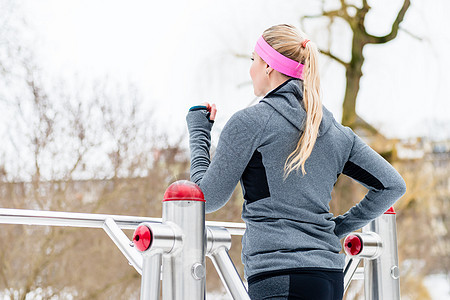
[180,53]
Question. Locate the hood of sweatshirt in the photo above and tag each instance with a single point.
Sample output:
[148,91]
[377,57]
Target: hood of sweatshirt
[287,100]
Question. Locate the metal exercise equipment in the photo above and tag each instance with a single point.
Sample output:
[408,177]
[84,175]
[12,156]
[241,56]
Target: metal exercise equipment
[172,250]
[377,245]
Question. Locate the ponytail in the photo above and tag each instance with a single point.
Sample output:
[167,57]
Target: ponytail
[292,43]
[313,107]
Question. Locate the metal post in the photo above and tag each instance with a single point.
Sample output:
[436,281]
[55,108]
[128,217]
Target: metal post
[382,275]
[219,242]
[358,246]
[182,240]
[154,240]
[184,271]
[151,276]
[177,243]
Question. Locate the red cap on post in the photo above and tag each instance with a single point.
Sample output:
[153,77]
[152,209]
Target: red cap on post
[390,211]
[183,190]
[142,238]
[352,245]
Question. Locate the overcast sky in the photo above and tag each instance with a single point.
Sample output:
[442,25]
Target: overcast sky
[181,53]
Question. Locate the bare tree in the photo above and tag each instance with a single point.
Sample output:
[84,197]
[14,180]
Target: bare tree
[73,146]
[354,16]
[91,148]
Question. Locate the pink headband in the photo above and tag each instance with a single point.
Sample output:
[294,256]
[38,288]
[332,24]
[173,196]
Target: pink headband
[277,60]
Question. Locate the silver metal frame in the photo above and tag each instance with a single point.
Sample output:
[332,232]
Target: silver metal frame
[383,271]
[184,268]
[182,239]
[57,218]
[379,251]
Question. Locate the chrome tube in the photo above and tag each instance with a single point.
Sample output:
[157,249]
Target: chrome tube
[124,244]
[56,218]
[165,237]
[151,276]
[229,275]
[184,269]
[382,274]
[168,287]
[166,240]
[233,228]
[372,244]
[219,242]
[351,265]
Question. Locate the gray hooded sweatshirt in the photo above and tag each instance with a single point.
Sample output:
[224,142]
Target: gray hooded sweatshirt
[289,225]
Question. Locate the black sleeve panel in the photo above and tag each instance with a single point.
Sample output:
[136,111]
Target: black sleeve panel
[356,172]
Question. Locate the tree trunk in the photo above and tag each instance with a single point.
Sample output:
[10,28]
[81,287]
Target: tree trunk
[351,92]
[353,76]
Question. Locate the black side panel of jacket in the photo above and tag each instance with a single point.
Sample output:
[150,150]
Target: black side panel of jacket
[254,179]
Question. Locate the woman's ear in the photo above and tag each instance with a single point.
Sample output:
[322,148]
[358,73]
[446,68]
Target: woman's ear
[268,69]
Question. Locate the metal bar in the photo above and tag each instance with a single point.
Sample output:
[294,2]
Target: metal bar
[382,274]
[227,272]
[188,261]
[151,276]
[56,218]
[123,243]
[351,265]
[233,228]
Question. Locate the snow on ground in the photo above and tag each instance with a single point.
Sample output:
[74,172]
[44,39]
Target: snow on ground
[438,286]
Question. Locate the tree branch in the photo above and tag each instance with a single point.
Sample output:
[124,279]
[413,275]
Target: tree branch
[343,9]
[411,34]
[337,59]
[365,4]
[395,27]
[240,55]
[338,13]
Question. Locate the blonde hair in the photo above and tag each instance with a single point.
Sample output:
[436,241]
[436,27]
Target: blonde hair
[287,40]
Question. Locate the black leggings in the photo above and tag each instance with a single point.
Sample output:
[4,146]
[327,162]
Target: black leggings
[303,285]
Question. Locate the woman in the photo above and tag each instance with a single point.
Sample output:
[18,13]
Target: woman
[287,151]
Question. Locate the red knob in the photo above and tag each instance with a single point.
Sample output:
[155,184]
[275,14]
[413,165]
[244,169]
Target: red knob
[142,238]
[353,245]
